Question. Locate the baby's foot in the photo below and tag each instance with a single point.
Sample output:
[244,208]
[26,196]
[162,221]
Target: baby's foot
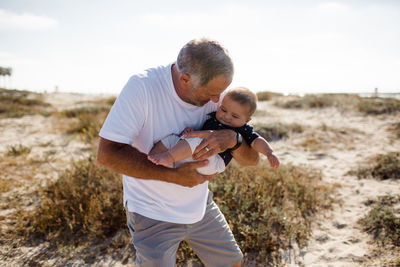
[164,159]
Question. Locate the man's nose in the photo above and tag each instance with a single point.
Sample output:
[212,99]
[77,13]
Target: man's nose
[215,99]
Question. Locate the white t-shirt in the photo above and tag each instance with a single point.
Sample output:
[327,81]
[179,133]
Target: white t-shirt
[147,110]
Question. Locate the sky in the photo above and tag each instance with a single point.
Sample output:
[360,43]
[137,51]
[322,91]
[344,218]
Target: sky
[307,46]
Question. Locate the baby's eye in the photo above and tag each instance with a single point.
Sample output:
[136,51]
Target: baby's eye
[235,116]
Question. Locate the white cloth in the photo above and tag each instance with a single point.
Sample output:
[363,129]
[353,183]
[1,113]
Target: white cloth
[147,110]
[215,163]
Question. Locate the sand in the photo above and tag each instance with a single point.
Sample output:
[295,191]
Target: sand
[346,140]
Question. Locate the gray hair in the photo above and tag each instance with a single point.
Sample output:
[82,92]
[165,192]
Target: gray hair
[203,59]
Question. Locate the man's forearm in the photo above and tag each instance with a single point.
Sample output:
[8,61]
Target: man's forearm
[125,159]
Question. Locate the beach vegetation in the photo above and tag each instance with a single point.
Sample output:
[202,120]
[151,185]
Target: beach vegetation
[18,150]
[16,104]
[381,166]
[395,129]
[267,209]
[345,102]
[86,121]
[382,221]
[276,131]
[377,106]
[266,95]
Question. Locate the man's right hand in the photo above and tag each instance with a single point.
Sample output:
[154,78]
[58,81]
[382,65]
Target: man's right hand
[187,175]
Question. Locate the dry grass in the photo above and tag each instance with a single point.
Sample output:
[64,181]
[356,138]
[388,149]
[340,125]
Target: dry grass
[367,106]
[325,137]
[267,209]
[15,104]
[84,122]
[265,95]
[381,221]
[319,101]
[18,150]
[277,131]
[85,201]
[395,129]
[382,166]
[377,106]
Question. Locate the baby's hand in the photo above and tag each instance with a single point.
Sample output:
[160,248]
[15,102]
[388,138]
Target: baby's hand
[187,130]
[273,160]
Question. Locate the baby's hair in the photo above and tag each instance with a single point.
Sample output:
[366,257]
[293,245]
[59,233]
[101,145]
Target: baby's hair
[244,96]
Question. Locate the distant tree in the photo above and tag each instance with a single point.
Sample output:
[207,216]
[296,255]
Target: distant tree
[4,72]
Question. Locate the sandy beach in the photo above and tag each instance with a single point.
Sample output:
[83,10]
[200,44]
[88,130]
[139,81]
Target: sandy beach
[333,140]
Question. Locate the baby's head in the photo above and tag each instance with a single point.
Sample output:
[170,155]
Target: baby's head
[237,107]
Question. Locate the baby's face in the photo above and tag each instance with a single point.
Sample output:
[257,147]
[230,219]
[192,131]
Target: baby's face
[232,113]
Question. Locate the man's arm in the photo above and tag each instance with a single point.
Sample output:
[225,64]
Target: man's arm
[127,160]
[216,141]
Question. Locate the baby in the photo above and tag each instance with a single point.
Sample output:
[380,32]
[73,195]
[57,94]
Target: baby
[233,113]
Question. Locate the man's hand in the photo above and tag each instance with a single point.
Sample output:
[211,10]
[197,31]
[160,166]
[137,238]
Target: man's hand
[213,142]
[187,130]
[189,177]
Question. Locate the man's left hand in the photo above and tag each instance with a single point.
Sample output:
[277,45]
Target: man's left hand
[213,142]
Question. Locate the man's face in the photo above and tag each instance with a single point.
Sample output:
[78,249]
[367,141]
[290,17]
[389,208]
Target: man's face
[211,91]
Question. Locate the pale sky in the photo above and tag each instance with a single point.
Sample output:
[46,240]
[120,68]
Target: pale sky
[306,46]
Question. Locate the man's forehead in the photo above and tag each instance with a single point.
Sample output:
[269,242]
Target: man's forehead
[217,85]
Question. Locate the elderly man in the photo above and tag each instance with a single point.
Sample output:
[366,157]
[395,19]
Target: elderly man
[167,205]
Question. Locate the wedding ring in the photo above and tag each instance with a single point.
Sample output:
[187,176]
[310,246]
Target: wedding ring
[207,149]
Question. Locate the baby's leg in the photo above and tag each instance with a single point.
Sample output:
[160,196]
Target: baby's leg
[158,147]
[167,158]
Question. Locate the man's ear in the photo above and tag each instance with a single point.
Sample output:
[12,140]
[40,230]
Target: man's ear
[185,79]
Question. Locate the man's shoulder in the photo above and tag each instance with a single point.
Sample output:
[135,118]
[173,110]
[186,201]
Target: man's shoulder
[149,78]
[151,73]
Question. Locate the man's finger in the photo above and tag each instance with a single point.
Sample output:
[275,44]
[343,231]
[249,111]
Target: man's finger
[203,155]
[201,134]
[197,164]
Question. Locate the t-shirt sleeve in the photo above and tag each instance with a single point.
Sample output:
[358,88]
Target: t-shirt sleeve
[127,115]
[248,133]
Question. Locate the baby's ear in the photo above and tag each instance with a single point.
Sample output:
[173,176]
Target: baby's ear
[249,119]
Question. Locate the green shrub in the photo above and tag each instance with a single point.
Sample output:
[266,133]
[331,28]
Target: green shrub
[86,201]
[266,209]
[382,166]
[381,221]
[269,209]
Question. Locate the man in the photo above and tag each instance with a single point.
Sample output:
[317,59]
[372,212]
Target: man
[165,206]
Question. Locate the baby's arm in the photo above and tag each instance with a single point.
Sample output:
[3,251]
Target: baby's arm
[262,146]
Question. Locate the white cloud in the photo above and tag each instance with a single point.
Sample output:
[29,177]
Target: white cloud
[332,7]
[25,21]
